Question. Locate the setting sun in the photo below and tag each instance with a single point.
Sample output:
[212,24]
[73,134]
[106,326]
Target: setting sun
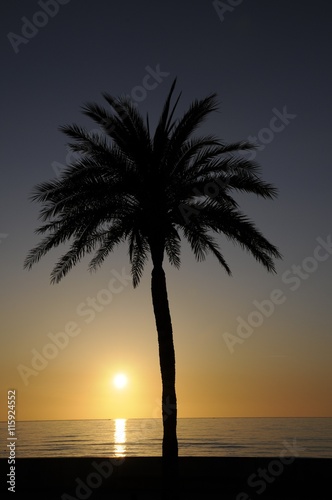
[120,381]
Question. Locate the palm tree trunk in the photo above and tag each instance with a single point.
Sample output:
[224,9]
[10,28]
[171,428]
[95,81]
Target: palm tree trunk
[167,368]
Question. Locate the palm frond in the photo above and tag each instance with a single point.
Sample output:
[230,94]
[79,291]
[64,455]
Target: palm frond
[115,235]
[239,229]
[173,247]
[138,253]
[185,127]
[132,133]
[164,125]
[201,243]
[128,185]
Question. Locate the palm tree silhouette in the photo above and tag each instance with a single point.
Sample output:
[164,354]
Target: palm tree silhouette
[149,190]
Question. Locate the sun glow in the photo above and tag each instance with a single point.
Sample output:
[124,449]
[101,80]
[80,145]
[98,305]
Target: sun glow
[120,380]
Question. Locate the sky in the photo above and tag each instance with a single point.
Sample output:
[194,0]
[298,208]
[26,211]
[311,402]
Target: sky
[250,345]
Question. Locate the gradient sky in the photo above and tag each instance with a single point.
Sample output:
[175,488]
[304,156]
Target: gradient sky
[269,62]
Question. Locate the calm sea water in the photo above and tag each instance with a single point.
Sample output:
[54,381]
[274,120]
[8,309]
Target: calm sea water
[307,437]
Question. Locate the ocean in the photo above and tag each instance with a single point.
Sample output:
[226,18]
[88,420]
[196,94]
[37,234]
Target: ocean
[215,437]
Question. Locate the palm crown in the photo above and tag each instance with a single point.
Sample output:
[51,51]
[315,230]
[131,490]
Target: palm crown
[149,190]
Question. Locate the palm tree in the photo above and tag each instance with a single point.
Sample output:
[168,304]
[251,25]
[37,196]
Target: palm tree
[149,190]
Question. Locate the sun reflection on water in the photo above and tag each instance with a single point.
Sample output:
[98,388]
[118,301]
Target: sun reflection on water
[120,437]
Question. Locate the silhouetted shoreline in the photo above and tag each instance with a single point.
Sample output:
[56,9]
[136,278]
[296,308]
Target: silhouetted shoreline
[236,478]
